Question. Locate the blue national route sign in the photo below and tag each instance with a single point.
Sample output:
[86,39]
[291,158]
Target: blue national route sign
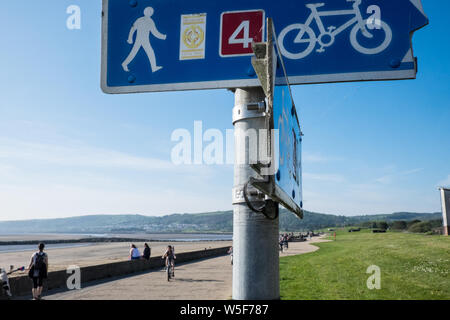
[289,175]
[164,45]
[288,146]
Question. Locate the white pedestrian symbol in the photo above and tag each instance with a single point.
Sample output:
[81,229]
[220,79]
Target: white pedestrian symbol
[144,26]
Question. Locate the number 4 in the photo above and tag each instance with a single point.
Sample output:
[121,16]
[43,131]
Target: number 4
[246,40]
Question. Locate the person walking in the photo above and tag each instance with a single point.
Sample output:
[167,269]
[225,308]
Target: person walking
[38,270]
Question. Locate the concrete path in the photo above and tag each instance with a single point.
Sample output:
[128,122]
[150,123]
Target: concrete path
[201,280]
[296,248]
[209,279]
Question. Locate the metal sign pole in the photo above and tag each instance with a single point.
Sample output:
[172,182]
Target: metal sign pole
[445,199]
[255,238]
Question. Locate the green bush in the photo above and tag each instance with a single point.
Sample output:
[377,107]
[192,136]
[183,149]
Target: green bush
[367,224]
[383,225]
[436,223]
[420,227]
[375,225]
[410,223]
[399,225]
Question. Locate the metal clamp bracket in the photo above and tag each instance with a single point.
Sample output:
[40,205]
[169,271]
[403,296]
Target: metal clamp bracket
[250,110]
[270,209]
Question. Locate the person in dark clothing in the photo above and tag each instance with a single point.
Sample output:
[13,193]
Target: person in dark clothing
[147,252]
[38,271]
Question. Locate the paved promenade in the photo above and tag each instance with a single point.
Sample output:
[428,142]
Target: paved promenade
[209,279]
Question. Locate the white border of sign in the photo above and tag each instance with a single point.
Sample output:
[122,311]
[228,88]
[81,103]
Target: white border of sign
[221,28]
[243,83]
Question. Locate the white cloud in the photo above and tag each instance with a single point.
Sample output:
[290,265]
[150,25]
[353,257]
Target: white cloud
[352,194]
[64,200]
[412,171]
[6,169]
[332,178]
[77,155]
[385,179]
[317,158]
[43,180]
[367,198]
[390,178]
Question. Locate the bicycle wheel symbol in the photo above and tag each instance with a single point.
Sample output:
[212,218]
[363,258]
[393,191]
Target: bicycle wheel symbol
[309,41]
[387,40]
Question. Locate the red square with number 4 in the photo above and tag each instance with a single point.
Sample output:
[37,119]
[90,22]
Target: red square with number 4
[238,29]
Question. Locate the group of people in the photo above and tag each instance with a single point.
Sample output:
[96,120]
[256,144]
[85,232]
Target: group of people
[136,255]
[284,241]
[169,255]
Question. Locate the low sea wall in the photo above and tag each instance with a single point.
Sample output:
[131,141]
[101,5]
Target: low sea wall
[21,285]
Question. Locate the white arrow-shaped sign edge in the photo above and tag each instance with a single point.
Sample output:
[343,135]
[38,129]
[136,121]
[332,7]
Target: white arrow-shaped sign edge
[409,57]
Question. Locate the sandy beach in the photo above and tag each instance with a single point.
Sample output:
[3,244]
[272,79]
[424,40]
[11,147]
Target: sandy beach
[144,236]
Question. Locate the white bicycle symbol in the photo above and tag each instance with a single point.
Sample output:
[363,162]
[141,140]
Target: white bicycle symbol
[327,37]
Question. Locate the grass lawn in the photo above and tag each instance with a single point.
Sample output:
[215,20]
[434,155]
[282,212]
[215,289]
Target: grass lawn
[412,266]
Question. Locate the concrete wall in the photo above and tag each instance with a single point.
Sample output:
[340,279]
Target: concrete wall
[22,285]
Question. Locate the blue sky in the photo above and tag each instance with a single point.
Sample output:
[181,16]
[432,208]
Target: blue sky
[68,149]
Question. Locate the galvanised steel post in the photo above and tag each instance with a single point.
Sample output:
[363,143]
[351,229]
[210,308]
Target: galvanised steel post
[255,238]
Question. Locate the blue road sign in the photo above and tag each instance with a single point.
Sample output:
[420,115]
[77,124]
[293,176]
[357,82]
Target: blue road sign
[288,179]
[289,175]
[164,45]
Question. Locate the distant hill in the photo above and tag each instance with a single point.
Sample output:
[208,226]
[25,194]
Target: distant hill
[221,221]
